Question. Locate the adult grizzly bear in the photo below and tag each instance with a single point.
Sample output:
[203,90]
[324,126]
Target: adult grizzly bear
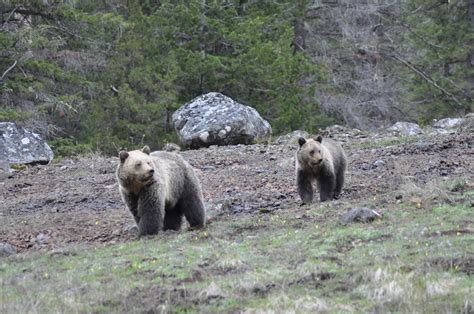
[159,189]
[323,161]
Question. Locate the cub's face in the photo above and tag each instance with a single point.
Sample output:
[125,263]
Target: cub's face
[309,153]
[136,169]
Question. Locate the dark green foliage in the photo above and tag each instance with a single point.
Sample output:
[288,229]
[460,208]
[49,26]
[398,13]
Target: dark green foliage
[66,147]
[443,44]
[109,74]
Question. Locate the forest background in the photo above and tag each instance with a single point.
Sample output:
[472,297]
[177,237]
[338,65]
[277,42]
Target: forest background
[104,75]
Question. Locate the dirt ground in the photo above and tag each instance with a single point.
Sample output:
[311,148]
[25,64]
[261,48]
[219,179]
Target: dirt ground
[76,201]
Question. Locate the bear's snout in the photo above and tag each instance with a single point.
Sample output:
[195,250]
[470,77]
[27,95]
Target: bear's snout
[315,161]
[151,171]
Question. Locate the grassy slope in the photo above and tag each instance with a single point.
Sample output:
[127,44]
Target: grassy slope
[414,260]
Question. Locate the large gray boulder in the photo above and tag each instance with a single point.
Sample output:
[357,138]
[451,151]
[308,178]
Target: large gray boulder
[215,119]
[405,129]
[447,125]
[20,146]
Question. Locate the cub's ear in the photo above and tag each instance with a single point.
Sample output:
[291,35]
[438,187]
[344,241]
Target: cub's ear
[123,155]
[301,141]
[146,149]
[319,139]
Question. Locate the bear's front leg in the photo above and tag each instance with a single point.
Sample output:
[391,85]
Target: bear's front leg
[151,212]
[326,184]
[131,201]
[305,187]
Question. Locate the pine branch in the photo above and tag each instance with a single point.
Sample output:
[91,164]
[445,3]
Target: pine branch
[8,70]
[427,78]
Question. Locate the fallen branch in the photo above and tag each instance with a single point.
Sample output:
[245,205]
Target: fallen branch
[8,70]
[428,79]
[10,15]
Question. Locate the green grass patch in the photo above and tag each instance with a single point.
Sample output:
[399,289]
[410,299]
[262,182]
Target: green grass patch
[281,262]
[393,141]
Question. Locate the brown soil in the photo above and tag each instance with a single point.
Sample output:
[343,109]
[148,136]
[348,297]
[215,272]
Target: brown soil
[48,207]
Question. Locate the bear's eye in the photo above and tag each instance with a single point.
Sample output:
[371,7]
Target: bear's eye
[138,164]
[311,152]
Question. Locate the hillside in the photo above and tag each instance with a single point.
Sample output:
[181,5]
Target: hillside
[77,249]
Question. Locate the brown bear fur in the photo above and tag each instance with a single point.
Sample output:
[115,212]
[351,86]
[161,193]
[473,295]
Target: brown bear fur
[159,189]
[322,161]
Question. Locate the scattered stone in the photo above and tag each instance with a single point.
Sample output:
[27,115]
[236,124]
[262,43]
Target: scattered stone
[264,210]
[424,147]
[6,249]
[379,163]
[360,214]
[131,229]
[417,201]
[365,166]
[207,168]
[467,125]
[342,133]
[212,292]
[443,172]
[215,119]
[291,138]
[41,239]
[5,170]
[171,147]
[398,197]
[405,129]
[20,146]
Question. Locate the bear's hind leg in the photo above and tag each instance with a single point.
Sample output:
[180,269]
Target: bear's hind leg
[193,209]
[173,219]
[339,184]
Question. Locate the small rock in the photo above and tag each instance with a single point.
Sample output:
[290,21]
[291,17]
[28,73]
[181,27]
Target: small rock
[291,138]
[416,201]
[207,168]
[171,147]
[379,163]
[131,229]
[398,197]
[424,147]
[212,292]
[6,249]
[365,166]
[467,125]
[272,158]
[41,239]
[361,214]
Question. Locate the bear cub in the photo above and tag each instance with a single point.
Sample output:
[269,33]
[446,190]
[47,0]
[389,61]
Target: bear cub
[159,189]
[323,161]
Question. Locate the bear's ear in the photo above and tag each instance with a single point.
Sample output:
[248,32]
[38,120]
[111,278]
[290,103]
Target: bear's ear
[146,149]
[319,139]
[123,155]
[301,141]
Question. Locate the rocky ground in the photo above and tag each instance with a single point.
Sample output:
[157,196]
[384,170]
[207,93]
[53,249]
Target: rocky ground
[76,201]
